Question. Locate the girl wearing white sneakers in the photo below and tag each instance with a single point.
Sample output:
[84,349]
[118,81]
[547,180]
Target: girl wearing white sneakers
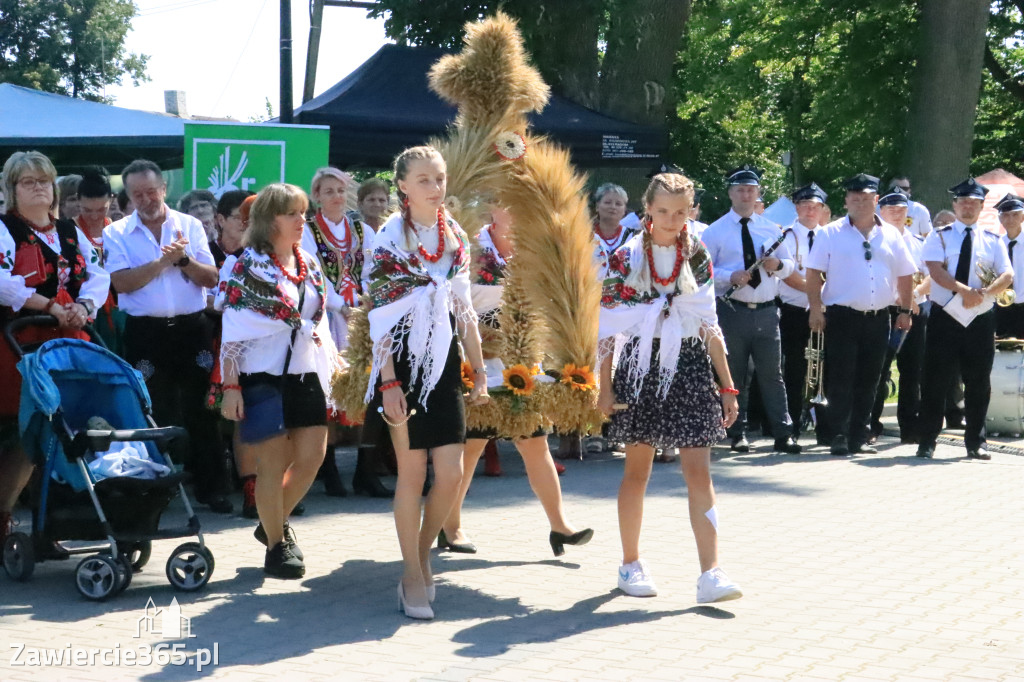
[659,302]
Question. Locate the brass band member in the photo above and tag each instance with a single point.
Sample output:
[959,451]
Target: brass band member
[953,254]
[864,261]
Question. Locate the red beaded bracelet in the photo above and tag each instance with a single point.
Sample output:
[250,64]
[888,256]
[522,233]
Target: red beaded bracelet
[389,385]
[729,391]
[231,387]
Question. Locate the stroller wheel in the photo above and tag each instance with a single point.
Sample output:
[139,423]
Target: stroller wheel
[124,572]
[190,567]
[97,577]
[19,557]
[139,553]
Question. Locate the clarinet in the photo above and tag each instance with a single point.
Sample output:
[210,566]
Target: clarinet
[758,263]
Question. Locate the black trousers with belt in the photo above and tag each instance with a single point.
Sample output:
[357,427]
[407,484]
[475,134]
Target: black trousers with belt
[175,356]
[855,345]
[949,344]
[910,363]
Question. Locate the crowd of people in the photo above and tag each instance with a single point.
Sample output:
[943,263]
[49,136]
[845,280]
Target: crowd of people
[234,310]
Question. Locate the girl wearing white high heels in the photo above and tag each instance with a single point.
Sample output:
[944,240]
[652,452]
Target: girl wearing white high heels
[421,307]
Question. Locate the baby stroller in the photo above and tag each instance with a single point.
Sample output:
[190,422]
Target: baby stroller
[67,383]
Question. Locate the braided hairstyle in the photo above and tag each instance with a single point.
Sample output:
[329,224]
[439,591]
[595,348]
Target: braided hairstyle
[671,183]
[401,169]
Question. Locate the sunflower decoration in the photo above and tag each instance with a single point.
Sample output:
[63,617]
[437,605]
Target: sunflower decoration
[467,377]
[510,146]
[519,380]
[578,378]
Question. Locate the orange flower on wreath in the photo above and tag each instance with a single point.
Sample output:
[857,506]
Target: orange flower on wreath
[467,376]
[578,378]
[519,379]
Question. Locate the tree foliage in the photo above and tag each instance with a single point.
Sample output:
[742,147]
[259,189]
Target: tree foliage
[826,85]
[70,47]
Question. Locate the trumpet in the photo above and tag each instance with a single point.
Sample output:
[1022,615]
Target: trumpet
[814,380]
[987,275]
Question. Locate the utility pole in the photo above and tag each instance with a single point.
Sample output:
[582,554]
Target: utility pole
[316,17]
[286,62]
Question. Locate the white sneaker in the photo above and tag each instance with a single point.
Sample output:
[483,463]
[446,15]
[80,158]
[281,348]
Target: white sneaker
[636,581]
[714,586]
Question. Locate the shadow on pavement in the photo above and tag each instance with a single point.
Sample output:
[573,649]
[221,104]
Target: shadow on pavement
[495,637]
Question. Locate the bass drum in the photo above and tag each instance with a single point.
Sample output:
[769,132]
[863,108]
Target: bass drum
[1006,406]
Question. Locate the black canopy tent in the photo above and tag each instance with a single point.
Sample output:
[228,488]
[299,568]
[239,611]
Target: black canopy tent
[75,133]
[386,105]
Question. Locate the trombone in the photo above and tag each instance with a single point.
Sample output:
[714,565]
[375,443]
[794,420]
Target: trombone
[814,379]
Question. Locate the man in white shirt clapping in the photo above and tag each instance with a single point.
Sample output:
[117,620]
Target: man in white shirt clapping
[161,267]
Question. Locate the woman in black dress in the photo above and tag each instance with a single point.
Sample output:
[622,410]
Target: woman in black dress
[420,291]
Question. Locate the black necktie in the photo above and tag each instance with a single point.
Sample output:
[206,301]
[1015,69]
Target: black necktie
[1013,243]
[810,241]
[748,253]
[963,265]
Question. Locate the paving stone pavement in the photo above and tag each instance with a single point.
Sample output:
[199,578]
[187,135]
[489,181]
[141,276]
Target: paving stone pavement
[878,567]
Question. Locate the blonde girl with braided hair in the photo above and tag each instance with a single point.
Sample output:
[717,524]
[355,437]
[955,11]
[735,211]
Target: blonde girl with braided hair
[658,301]
[418,284]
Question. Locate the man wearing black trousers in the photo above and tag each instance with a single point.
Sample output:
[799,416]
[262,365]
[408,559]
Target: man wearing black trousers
[161,266]
[1010,320]
[953,255]
[794,325]
[864,261]
[909,357]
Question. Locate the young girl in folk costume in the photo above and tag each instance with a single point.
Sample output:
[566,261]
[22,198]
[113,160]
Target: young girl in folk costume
[342,245]
[495,242]
[278,357]
[420,291]
[660,297]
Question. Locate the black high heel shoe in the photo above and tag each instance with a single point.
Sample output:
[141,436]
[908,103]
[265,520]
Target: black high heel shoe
[559,540]
[464,548]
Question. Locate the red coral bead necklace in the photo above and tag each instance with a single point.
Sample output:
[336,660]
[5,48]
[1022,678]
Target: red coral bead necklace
[299,276]
[676,269]
[436,256]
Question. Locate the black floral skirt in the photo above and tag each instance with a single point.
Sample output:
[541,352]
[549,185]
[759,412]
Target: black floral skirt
[689,416]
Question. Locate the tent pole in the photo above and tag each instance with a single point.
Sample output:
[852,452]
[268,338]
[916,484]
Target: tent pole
[316,15]
[286,62]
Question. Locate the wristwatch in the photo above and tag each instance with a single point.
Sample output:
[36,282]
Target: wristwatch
[88,305]
[185,260]
[906,311]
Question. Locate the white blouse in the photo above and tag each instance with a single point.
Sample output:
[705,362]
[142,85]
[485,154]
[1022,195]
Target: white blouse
[13,291]
[340,232]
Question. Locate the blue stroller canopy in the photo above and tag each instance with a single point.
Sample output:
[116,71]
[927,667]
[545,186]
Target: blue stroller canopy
[81,380]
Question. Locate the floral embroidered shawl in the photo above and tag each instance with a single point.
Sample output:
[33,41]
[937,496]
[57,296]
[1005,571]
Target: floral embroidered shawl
[256,308]
[411,307]
[631,306]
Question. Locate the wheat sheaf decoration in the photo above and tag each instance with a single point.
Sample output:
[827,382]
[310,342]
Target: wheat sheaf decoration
[491,151]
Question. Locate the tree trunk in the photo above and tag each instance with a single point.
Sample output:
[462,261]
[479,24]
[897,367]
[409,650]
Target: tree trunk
[562,37]
[637,75]
[644,37]
[947,86]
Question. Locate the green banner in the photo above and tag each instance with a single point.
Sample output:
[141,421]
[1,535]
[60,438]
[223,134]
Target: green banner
[221,157]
